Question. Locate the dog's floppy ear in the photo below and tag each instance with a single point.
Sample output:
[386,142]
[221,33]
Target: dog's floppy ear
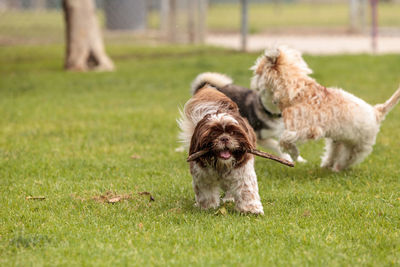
[272,55]
[199,135]
[250,137]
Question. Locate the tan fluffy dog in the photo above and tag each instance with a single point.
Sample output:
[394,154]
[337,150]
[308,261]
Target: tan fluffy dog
[312,111]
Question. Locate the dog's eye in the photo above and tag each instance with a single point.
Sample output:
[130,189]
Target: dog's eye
[231,133]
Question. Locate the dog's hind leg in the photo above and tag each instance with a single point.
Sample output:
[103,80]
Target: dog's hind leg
[357,154]
[347,155]
[341,156]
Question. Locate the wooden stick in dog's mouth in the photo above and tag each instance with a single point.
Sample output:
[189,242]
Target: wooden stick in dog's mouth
[197,155]
[256,152]
[270,156]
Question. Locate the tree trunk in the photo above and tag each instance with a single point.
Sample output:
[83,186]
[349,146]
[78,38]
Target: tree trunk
[85,48]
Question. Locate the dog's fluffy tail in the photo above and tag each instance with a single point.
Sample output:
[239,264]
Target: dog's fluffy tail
[383,109]
[215,79]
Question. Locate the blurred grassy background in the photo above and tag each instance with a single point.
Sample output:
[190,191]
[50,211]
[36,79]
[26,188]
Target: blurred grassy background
[47,27]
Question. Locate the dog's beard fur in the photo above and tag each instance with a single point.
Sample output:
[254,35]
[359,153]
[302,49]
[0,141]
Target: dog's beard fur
[226,140]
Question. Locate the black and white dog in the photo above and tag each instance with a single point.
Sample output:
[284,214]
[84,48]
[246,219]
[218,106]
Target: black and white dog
[264,117]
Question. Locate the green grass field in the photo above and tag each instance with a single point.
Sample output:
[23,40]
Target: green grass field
[78,138]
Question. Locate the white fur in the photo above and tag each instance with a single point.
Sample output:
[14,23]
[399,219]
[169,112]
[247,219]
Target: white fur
[214,78]
[187,124]
[223,118]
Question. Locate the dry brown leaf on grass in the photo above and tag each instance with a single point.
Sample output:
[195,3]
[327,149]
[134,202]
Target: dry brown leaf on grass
[110,197]
[134,156]
[147,194]
[307,213]
[221,211]
[175,210]
[35,198]
[75,197]
[114,199]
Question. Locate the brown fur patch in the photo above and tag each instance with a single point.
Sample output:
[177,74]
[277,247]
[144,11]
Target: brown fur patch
[208,94]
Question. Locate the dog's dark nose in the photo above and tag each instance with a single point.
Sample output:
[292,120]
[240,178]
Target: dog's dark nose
[224,139]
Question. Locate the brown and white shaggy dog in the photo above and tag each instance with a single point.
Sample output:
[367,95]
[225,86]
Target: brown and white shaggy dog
[211,122]
[313,111]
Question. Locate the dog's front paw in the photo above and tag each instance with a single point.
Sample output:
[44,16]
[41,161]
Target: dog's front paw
[286,156]
[228,199]
[256,208]
[207,204]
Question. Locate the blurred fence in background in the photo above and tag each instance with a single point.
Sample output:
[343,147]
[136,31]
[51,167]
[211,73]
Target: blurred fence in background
[194,21]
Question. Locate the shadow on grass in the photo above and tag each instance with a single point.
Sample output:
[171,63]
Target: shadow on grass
[187,206]
[29,241]
[308,172]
